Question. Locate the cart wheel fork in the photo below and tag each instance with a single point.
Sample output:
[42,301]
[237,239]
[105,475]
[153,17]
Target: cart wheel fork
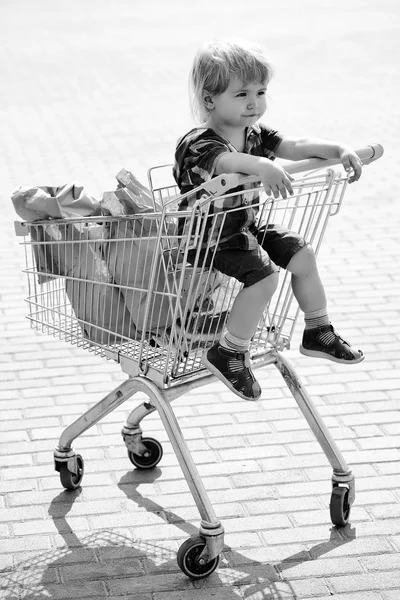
[71,468]
[213,534]
[68,457]
[198,556]
[345,480]
[132,437]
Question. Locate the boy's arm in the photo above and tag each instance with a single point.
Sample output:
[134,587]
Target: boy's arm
[273,177]
[301,148]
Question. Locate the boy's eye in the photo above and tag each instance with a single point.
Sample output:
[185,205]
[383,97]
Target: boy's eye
[243,94]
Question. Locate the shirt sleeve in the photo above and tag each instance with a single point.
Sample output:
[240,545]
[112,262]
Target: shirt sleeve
[196,159]
[270,140]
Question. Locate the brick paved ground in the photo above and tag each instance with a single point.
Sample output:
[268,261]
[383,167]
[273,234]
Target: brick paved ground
[88,87]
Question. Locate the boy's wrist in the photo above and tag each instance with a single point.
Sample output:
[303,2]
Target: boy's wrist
[263,165]
[344,149]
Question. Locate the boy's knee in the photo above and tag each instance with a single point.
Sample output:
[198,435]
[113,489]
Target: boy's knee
[268,285]
[303,261]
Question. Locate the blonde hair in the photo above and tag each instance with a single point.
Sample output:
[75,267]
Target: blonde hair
[216,63]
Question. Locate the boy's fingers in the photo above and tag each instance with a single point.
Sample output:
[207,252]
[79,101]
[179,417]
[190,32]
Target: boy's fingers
[272,191]
[353,163]
[283,192]
[288,185]
[268,190]
[288,176]
[357,166]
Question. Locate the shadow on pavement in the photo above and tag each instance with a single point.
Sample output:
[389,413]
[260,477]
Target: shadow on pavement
[105,555]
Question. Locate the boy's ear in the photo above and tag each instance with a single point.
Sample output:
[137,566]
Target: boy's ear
[208,101]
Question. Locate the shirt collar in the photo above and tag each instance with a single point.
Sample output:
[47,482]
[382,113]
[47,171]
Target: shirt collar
[253,129]
[252,136]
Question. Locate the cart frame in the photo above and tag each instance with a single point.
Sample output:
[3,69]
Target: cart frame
[161,390]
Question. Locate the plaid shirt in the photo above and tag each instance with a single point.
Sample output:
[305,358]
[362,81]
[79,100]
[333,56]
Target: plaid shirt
[196,157]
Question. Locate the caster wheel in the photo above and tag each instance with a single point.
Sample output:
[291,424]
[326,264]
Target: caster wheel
[188,559]
[154,450]
[339,506]
[71,481]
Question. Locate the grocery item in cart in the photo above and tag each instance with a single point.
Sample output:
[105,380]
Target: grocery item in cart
[107,265]
[73,251]
[48,202]
[136,254]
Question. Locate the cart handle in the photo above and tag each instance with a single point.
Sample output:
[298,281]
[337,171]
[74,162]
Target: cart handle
[228,181]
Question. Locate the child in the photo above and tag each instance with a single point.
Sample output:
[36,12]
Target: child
[229,82]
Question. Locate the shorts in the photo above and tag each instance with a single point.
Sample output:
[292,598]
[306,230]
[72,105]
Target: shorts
[277,246]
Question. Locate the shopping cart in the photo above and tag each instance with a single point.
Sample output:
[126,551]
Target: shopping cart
[123,288]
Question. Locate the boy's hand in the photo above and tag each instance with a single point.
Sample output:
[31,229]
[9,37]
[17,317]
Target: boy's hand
[351,161]
[276,181]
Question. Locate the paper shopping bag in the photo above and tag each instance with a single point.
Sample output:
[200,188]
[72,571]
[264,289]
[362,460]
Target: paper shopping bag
[73,251]
[62,202]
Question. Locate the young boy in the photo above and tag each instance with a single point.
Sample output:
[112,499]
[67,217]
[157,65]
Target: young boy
[229,83]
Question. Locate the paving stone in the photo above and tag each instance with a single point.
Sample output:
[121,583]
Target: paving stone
[226,593]
[366,581]
[390,594]
[352,596]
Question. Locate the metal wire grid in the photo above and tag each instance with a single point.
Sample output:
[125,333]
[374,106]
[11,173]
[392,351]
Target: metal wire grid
[122,287]
[317,196]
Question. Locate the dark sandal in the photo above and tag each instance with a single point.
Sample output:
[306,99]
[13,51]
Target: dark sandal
[233,369]
[324,342]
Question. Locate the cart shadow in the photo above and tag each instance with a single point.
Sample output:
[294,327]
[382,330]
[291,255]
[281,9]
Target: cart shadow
[266,580]
[83,561]
[106,555]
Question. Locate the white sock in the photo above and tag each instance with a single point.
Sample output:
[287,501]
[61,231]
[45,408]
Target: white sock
[316,318]
[231,342]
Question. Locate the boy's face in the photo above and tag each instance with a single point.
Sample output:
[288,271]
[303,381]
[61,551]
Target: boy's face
[241,105]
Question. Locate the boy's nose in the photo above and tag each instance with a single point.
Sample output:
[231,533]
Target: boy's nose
[252,103]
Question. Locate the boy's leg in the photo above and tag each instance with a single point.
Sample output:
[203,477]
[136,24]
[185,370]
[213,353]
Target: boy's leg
[249,306]
[229,358]
[320,339]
